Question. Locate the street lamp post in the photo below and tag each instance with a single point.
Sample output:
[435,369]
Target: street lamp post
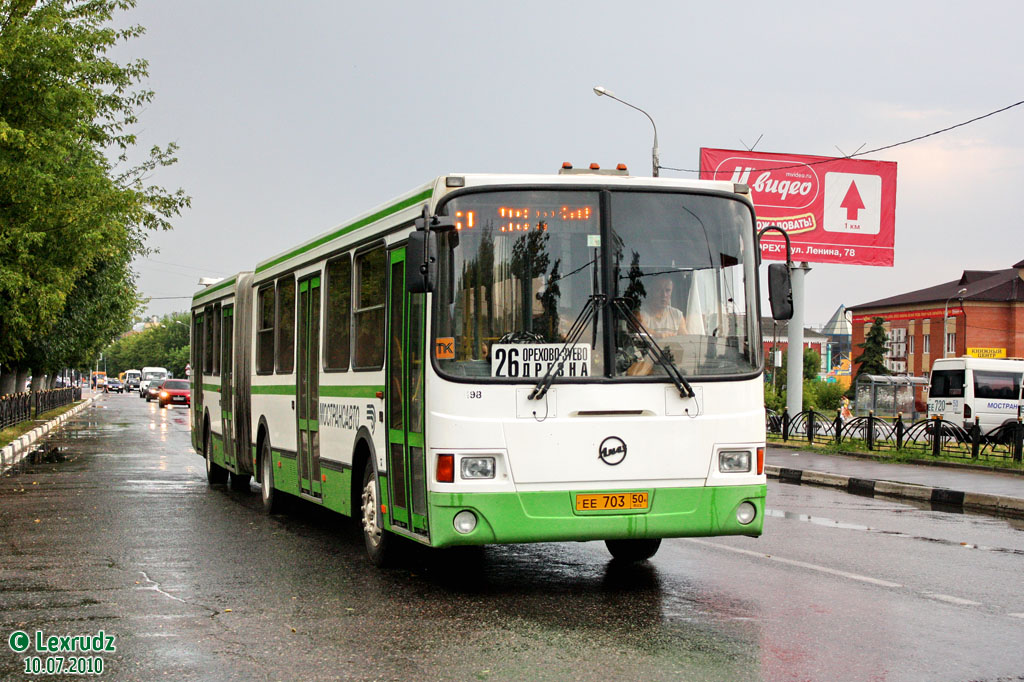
[601,90]
[945,309]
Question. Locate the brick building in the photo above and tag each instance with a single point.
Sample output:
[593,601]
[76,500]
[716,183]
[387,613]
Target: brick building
[985,318]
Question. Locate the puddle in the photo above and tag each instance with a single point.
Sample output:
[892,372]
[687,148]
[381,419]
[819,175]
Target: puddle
[44,454]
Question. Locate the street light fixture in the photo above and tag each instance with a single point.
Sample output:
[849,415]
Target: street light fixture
[960,295]
[600,90]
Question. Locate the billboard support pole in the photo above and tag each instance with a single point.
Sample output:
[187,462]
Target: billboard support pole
[795,371]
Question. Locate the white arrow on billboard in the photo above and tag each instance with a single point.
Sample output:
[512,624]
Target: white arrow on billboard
[853,203]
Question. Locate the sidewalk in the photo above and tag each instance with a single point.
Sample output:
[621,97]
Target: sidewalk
[990,492]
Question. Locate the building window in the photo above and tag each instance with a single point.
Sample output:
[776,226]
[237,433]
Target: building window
[910,345]
[927,344]
[951,343]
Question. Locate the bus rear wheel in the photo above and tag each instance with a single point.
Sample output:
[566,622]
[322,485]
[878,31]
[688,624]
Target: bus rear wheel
[215,473]
[633,550]
[272,498]
[379,542]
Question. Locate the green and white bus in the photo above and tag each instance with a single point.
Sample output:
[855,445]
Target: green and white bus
[501,359]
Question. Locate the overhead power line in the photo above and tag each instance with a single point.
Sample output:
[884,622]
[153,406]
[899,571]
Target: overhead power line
[876,149]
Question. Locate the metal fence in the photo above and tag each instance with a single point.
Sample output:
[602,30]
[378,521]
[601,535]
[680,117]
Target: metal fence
[15,408]
[18,407]
[936,437]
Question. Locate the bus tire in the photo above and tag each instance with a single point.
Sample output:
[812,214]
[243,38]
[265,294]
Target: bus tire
[215,473]
[633,550]
[379,542]
[273,502]
[239,482]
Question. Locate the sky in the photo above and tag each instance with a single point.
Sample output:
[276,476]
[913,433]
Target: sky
[294,117]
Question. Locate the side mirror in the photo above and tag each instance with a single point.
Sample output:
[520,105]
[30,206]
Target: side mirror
[780,291]
[421,262]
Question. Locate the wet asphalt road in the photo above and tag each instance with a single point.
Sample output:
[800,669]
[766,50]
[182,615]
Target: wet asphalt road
[115,529]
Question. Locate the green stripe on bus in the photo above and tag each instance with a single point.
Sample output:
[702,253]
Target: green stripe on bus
[350,391]
[273,390]
[395,208]
[212,387]
[215,287]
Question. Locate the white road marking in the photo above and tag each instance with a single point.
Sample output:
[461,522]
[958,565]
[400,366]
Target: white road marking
[951,600]
[800,564]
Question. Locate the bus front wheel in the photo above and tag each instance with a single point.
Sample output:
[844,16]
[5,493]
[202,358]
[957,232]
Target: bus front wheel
[633,550]
[378,541]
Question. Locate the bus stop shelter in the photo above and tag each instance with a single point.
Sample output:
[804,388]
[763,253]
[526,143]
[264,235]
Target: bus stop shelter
[888,396]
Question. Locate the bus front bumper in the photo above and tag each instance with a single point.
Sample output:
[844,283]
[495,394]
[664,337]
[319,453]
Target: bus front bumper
[551,516]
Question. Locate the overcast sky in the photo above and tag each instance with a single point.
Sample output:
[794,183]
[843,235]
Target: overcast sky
[294,117]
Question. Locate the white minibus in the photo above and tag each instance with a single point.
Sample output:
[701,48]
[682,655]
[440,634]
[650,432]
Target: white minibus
[966,388]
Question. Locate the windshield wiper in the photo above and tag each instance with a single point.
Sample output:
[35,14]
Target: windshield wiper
[589,312]
[653,350]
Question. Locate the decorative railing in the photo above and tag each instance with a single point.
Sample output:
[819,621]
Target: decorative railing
[936,437]
[18,407]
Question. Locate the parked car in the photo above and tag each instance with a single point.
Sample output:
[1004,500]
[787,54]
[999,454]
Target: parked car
[174,392]
[114,385]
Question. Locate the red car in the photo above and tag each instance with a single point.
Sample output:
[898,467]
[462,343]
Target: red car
[174,392]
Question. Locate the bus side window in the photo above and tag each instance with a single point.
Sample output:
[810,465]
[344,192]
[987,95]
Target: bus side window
[208,342]
[371,277]
[265,333]
[338,316]
[286,324]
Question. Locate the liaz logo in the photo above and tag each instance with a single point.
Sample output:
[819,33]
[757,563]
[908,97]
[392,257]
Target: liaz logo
[612,450]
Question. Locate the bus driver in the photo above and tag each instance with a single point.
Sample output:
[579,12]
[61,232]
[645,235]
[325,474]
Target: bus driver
[658,315]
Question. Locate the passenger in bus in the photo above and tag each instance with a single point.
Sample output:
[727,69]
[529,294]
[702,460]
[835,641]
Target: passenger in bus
[657,313]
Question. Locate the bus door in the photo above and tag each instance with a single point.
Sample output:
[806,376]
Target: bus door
[226,366]
[307,396]
[196,378]
[407,466]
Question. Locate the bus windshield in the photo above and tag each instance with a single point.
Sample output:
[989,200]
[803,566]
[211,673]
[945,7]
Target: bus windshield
[525,269]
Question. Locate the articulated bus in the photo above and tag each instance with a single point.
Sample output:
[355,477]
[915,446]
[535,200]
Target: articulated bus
[501,359]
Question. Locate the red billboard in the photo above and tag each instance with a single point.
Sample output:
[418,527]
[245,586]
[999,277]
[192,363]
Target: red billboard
[834,210]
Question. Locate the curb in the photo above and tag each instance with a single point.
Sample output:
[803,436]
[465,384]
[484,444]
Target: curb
[992,504]
[13,453]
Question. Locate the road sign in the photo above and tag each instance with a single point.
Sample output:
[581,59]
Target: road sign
[834,210]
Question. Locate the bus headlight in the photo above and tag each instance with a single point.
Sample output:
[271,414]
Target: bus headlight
[734,461]
[745,513]
[477,467]
[465,521]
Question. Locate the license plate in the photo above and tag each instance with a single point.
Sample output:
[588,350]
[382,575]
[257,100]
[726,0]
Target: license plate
[178,398]
[611,501]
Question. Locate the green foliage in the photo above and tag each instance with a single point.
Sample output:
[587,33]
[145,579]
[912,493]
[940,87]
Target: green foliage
[165,344]
[812,365]
[774,400]
[827,397]
[73,212]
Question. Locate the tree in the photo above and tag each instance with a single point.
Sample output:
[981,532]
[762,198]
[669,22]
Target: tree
[72,207]
[872,360]
[164,344]
[812,365]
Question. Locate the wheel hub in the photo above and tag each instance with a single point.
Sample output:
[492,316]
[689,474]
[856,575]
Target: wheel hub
[370,528]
